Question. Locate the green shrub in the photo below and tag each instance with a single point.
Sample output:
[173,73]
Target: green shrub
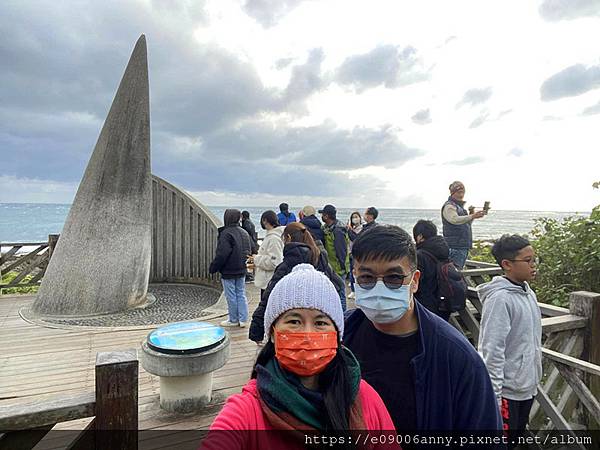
[482,251]
[570,257]
[9,276]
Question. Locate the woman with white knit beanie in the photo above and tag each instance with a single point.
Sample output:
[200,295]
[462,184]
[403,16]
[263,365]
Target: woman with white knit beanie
[304,379]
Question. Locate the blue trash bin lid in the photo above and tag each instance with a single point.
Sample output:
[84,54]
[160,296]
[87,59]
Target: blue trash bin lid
[186,337]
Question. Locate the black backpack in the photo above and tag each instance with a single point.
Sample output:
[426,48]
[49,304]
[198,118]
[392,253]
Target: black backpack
[451,289]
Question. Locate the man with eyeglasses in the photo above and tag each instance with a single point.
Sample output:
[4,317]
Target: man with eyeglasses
[510,339]
[427,373]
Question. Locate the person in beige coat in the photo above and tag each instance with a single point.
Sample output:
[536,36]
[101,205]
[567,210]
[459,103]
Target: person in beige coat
[270,253]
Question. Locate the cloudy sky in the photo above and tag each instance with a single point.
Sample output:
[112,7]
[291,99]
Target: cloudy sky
[258,101]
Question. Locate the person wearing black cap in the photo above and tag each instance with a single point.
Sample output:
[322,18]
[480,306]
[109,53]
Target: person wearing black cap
[336,243]
[285,216]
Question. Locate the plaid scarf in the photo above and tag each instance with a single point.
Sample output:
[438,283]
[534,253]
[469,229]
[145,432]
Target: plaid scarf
[288,405]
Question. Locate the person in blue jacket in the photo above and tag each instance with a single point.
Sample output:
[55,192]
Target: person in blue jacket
[427,373]
[285,216]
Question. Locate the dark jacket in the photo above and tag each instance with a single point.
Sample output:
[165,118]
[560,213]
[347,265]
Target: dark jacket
[233,248]
[248,225]
[284,220]
[314,226]
[457,236]
[429,252]
[453,390]
[368,226]
[294,253]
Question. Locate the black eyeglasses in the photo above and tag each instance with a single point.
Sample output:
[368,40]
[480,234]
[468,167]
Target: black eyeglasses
[532,262]
[393,281]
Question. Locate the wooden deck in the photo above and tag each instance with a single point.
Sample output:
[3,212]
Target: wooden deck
[38,362]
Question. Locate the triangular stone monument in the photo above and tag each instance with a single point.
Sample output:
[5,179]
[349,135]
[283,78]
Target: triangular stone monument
[102,260]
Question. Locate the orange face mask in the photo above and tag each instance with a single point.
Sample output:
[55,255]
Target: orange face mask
[306,353]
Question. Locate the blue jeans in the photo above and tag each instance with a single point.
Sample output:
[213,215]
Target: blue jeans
[459,256]
[235,292]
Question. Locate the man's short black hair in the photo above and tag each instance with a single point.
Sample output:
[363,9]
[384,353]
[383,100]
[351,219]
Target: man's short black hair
[284,207]
[372,211]
[387,242]
[245,215]
[425,228]
[508,246]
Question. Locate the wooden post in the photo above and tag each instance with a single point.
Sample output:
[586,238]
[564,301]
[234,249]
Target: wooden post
[117,400]
[587,304]
[52,241]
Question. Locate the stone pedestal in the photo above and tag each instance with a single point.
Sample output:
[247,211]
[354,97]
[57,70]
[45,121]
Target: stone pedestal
[186,374]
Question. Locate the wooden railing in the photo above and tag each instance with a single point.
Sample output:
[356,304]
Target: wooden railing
[113,406]
[30,267]
[184,236]
[569,391]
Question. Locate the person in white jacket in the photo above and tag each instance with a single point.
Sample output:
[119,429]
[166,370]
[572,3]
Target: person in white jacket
[270,253]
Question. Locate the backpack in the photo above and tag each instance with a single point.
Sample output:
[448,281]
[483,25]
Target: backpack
[451,289]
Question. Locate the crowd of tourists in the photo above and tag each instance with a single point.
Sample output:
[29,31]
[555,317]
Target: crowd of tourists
[394,362]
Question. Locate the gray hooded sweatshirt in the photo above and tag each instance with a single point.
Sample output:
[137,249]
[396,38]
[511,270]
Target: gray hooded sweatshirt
[510,339]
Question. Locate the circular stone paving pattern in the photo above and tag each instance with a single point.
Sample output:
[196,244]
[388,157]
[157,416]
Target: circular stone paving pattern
[173,303]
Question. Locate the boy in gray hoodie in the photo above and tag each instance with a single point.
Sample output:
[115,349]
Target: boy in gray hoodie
[510,339]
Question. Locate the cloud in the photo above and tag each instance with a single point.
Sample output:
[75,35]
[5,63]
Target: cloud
[555,10]
[517,152]
[324,145]
[282,63]
[269,12]
[483,117]
[475,97]
[572,81]
[385,65]
[504,113]
[465,161]
[591,110]
[305,80]
[422,117]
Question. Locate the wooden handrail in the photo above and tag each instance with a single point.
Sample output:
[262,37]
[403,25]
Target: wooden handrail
[49,412]
[575,363]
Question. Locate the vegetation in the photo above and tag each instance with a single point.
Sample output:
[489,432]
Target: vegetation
[570,257]
[9,276]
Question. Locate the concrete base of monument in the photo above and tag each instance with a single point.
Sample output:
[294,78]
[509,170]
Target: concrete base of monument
[185,394]
[185,371]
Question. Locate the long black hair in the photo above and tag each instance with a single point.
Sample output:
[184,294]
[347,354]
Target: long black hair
[334,383]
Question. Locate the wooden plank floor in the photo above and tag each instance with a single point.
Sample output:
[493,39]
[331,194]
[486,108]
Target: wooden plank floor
[38,362]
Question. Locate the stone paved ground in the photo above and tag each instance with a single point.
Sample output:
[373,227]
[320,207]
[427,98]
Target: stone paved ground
[174,303]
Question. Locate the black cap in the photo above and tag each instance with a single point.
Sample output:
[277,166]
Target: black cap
[329,210]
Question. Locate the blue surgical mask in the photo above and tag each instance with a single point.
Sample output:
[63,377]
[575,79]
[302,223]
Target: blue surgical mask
[382,304]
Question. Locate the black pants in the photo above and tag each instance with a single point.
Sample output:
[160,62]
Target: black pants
[515,418]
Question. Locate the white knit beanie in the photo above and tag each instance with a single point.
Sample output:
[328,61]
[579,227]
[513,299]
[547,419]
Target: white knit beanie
[304,287]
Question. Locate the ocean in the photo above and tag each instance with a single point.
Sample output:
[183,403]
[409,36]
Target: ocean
[33,222]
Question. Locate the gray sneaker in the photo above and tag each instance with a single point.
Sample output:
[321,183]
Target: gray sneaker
[227,323]
[243,324]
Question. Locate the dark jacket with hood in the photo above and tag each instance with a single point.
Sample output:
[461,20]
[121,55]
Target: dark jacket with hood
[314,226]
[294,253]
[453,390]
[248,225]
[233,248]
[429,252]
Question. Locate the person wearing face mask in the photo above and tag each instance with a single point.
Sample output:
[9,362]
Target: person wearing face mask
[427,373]
[299,248]
[304,380]
[270,253]
[355,226]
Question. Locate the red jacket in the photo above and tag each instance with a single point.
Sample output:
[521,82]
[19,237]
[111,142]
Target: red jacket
[242,413]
